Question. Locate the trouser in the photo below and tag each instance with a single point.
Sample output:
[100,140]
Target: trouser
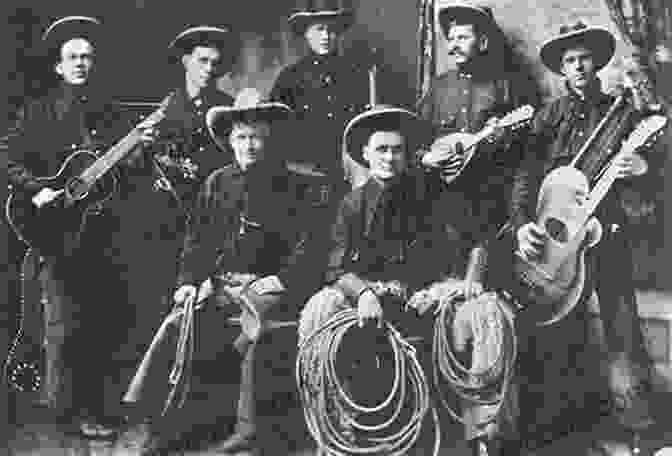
[81,336]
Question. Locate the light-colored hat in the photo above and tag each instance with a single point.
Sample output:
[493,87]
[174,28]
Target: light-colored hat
[470,13]
[318,12]
[380,118]
[249,106]
[598,39]
[69,27]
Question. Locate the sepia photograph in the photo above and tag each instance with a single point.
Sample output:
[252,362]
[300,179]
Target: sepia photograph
[336,228]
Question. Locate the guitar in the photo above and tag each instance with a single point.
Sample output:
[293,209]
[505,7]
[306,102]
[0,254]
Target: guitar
[445,144]
[554,281]
[86,183]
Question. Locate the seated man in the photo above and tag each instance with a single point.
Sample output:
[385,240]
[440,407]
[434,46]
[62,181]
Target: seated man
[389,240]
[241,251]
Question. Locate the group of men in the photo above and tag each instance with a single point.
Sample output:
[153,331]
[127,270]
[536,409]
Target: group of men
[370,197]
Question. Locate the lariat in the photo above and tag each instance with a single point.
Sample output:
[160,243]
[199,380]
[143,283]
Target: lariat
[342,426]
[489,324]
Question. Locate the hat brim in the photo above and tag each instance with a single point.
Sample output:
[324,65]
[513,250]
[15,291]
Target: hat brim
[71,27]
[466,14]
[599,40]
[386,118]
[300,21]
[223,39]
[220,119]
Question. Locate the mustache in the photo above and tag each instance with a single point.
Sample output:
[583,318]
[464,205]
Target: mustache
[456,51]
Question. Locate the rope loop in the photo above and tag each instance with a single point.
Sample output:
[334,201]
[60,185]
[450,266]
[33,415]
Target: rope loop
[339,423]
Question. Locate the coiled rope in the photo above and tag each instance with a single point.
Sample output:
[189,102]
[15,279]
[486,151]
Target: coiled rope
[325,399]
[494,351]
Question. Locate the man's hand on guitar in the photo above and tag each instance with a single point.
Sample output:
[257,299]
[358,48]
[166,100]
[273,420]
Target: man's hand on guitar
[448,157]
[531,240]
[498,132]
[184,293]
[630,165]
[148,131]
[45,196]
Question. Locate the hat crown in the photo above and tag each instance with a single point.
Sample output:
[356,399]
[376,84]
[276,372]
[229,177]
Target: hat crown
[315,6]
[576,27]
[249,98]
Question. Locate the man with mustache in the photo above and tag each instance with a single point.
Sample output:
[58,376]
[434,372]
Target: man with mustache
[604,358]
[484,86]
[86,307]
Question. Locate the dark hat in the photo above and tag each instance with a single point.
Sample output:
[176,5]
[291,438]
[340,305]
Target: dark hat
[69,27]
[598,39]
[221,37]
[468,13]
[381,118]
[249,106]
[320,12]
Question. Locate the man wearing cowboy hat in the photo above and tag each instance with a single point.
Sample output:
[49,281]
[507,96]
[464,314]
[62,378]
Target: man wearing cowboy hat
[244,246]
[86,292]
[391,237]
[325,90]
[606,338]
[203,54]
[484,85]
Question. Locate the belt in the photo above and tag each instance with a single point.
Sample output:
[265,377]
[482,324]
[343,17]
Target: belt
[321,194]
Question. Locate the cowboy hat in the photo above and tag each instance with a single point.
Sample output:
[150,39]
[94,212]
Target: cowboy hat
[301,20]
[598,39]
[69,27]
[249,106]
[380,118]
[221,37]
[468,13]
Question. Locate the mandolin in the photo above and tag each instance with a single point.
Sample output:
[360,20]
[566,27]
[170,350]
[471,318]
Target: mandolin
[86,182]
[446,144]
[554,281]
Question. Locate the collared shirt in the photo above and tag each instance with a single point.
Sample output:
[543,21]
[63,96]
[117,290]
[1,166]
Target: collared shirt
[394,233]
[247,222]
[325,92]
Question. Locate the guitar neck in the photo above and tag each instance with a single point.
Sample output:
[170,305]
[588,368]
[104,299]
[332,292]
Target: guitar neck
[602,187]
[479,137]
[111,157]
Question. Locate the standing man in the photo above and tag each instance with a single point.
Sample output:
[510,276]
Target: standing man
[86,300]
[598,347]
[205,53]
[242,251]
[481,89]
[326,91]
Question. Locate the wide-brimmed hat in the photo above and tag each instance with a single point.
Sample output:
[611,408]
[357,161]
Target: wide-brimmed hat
[69,27]
[598,39]
[381,118]
[249,106]
[468,13]
[323,11]
[221,37]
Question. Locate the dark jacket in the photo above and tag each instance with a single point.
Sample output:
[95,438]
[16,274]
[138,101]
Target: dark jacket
[186,137]
[325,92]
[247,222]
[400,233]
[462,101]
[47,130]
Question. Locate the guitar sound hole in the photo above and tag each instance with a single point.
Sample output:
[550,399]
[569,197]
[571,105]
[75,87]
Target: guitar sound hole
[76,189]
[556,230]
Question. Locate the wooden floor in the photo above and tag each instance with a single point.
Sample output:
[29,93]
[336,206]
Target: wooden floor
[36,436]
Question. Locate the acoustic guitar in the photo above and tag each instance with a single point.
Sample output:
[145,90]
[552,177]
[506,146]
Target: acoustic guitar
[470,141]
[554,280]
[86,183]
